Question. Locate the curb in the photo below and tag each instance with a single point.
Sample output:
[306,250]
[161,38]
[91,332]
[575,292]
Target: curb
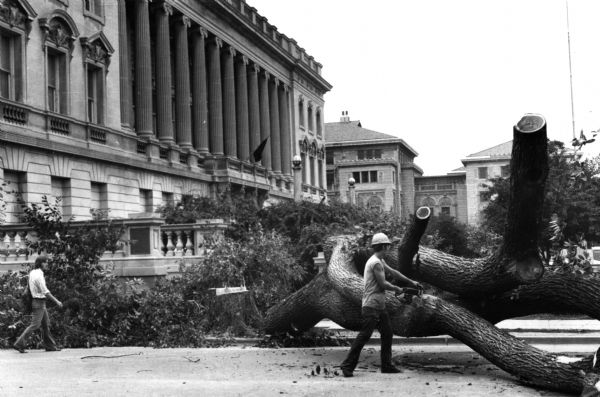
[552,338]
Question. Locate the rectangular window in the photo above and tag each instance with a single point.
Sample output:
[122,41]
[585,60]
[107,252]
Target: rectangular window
[13,189]
[505,171]
[445,211]
[319,124]
[167,198]
[356,176]
[93,7]
[99,196]
[304,168]
[60,190]
[301,113]
[369,154]
[330,180]
[146,200]
[313,172]
[482,172]
[95,93]
[310,119]
[10,66]
[57,82]
[329,157]
[373,176]
[320,177]
[364,177]
[483,197]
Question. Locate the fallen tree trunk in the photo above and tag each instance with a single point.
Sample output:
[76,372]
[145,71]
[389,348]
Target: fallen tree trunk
[474,293]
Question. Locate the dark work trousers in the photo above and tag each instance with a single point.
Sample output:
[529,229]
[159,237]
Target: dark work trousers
[39,319]
[371,319]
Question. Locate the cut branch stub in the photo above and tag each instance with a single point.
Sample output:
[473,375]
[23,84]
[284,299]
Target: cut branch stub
[528,172]
[410,243]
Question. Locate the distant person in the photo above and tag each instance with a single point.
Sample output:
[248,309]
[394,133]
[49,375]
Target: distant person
[374,314]
[39,314]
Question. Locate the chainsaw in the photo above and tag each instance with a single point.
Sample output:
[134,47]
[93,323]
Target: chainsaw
[407,294]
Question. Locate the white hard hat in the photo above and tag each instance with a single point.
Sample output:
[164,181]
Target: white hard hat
[380,238]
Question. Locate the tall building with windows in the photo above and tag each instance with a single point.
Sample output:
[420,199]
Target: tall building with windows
[126,105]
[381,165]
[461,193]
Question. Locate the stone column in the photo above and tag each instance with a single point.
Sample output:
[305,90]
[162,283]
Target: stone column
[229,120]
[199,89]
[265,120]
[284,129]
[253,108]
[125,79]
[275,137]
[143,70]
[164,99]
[183,115]
[215,105]
[241,107]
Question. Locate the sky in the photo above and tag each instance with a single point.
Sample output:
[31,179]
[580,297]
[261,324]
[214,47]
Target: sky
[451,78]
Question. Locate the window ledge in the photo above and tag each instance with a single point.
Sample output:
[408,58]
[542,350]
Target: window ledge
[98,18]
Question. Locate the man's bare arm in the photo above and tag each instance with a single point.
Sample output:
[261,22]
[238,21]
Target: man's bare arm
[401,277]
[380,277]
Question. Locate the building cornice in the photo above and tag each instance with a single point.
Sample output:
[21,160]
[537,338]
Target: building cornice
[246,19]
[372,142]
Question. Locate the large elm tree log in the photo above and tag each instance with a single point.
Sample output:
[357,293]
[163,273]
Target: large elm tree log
[475,293]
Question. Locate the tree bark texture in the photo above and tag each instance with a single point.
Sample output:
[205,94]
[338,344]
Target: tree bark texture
[475,293]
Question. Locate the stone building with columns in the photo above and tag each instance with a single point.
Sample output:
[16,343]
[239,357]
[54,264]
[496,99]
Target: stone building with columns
[381,166]
[126,105]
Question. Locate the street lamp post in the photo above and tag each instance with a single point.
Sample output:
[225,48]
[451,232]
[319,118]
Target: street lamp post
[297,166]
[351,183]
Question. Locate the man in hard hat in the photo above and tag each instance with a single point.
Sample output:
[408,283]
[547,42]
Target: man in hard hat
[374,314]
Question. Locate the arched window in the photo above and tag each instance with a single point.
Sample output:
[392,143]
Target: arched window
[59,33]
[445,206]
[429,202]
[375,202]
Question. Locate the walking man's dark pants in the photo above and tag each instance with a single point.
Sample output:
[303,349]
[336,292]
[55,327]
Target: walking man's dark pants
[371,319]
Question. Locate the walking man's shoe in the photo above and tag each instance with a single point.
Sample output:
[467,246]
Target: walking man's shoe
[53,349]
[391,370]
[19,348]
[347,373]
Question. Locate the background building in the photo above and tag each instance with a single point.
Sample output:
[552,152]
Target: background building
[480,167]
[126,105]
[382,166]
[443,194]
[460,193]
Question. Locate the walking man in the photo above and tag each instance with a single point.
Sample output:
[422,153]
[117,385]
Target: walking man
[39,314]
[374,314]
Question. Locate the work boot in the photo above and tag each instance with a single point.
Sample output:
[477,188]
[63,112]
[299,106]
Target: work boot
[390,370]
[53,349]
[347,373]
[19,348]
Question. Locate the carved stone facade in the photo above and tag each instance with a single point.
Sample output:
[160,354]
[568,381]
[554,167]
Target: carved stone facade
[132,104]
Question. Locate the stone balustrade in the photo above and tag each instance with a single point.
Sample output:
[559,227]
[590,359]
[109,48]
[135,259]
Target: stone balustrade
[149,247]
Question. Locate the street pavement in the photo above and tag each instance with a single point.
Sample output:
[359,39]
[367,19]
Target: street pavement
[432,367]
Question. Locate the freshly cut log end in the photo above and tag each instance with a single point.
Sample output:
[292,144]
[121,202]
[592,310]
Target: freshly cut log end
[528,270]
[531,122]
[423,213]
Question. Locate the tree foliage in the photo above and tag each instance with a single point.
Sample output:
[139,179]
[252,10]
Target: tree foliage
[572,196]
